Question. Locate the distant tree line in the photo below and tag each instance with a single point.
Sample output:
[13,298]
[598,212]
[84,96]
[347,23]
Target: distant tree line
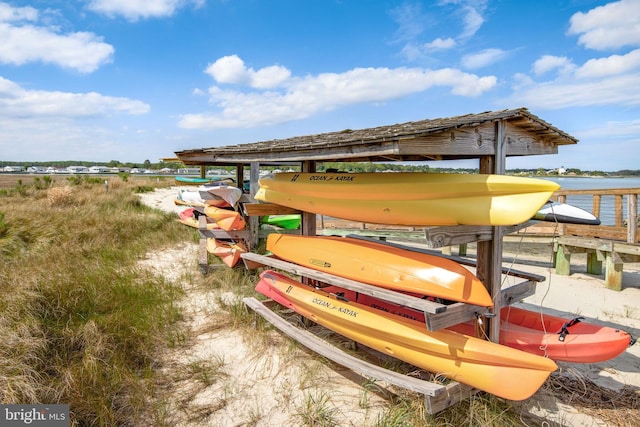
[324,166]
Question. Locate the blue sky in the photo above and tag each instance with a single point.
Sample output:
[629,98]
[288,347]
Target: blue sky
[132,80]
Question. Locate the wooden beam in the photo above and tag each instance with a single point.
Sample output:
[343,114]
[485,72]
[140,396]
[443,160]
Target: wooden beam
[450,393]
[263,209]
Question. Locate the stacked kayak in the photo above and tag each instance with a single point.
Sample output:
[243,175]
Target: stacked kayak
[227,219]
[497,369]
[560,339]
[190,217]
[382,265]
[407,198]
[288,222]
[216,203]
[229,252]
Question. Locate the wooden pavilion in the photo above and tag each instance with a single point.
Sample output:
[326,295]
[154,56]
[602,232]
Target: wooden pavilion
[490,137]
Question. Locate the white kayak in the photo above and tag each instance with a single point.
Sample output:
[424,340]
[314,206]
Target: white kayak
[566,214]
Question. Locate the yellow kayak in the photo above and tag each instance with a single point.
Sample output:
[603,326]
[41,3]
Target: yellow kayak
[409,198]
[494,368]
[382,265]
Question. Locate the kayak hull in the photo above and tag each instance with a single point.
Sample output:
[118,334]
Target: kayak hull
[500,370]
[526,330]
[227,219]
[564,213]
[382,265]
[418,199]
[229,252]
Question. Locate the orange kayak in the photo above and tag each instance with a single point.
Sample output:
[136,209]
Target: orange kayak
[559,339]
[410,198]
[494,368]
[382,265]
[189,217]
[227,219]
[229,252]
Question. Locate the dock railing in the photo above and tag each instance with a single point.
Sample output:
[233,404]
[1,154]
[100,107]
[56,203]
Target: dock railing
[624,218]
[610,244]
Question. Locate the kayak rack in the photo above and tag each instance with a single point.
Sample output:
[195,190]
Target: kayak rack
[437,396]
[437,316]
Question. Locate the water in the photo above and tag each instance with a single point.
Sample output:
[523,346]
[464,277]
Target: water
[607,203]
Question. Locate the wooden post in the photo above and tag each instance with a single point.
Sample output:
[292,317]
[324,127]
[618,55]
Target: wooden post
[563,261]
[240,176]
[613,273]
[632,218]
[594,265]
[308,225]
[254,221]
[618,209]
[489,255]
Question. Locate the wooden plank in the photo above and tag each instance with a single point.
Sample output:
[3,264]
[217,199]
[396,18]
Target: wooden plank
[580,242]
[456,313]
[518,292]
[203,254]
[400,235]
[453,394]
[264,209]
[364,368]
[429,307]
[226,235]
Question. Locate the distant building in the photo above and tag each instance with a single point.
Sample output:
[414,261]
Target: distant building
[99,169]
[77,169]
[36,169]
[13,169]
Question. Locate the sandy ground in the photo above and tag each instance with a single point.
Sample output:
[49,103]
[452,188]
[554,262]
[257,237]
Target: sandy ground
[277,384]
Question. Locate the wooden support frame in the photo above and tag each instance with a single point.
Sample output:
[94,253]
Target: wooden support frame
[437,396]
[437,316]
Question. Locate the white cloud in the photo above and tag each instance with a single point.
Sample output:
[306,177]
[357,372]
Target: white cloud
[412,21]
[9,13]
[614,64]
[134,10]
[549,63]
[611,26]
[231,69]
[472,12]
[483,58]
[564,93]
[21,44]
[439,43]
[613,130]
[18,103]
[299,98]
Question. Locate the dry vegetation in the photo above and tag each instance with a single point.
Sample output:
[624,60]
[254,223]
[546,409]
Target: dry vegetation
[100,310]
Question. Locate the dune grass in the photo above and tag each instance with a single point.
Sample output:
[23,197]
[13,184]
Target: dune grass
[80,322]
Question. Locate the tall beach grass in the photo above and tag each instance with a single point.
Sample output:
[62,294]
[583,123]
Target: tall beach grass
[80,323]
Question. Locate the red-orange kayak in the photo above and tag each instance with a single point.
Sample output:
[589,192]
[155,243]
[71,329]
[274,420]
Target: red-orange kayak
[497,369]
[566,340]
[229,252]
[227,219]
[382,265]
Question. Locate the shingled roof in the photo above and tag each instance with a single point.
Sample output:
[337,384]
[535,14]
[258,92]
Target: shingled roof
[458,137]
